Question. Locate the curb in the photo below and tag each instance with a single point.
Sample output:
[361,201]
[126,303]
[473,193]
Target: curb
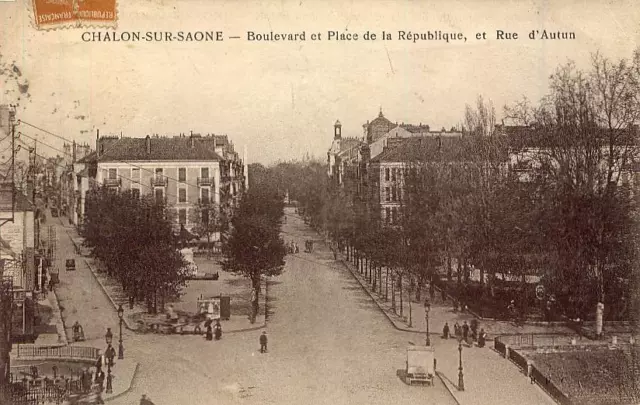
[133,379]
[448,388]
[62,335]
[378,304]
[104,290]
[126,323]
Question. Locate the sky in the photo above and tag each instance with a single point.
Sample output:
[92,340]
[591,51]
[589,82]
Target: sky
[281,99]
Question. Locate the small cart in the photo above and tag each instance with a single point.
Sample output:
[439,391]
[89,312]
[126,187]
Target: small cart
[70,264]
[420,365]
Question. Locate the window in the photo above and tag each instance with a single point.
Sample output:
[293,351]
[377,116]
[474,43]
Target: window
[388,214]
[393,174]
[182,195]
[386,174]
[159,193]
[393,193]
[182,174]
[394,215]
[204,172]
[113,174]
[135,192]
[182,216]
[205,217]
[135,174]
[204,195]
[387,193]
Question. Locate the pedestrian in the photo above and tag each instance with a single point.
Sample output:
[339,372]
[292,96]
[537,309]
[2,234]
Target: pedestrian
[263,342]
[209,335]
[474,329]
[145,401]
[465,331]
[100,380]
[218,330]
[110,354]
[482,338]
[99,363]
[444,295]
[456,330]
[445,331]
[297,249]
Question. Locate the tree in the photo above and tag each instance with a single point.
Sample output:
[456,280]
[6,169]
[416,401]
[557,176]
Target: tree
[253,247]
[586,132]
[207,219]
[133,237]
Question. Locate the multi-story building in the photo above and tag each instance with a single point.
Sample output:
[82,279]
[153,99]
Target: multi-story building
[386,173]
[184,171]
[345,156]
[18,242]
[68,178]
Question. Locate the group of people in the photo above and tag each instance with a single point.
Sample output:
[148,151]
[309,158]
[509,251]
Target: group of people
[213,331]
[292,247]
[466,332]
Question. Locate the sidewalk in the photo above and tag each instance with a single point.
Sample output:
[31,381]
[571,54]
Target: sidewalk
[52,339]
[441,312]
[134,318]
[488,378]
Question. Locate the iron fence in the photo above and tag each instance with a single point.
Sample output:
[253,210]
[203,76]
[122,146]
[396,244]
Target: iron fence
[546,384]
[27,351]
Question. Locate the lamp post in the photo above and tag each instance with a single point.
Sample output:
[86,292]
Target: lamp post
[460,374]
[427,308]
[109,380]
[120,346]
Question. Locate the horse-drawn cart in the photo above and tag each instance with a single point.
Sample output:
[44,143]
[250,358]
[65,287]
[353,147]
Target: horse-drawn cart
[420,365]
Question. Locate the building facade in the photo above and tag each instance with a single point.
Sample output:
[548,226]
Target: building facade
[184,172]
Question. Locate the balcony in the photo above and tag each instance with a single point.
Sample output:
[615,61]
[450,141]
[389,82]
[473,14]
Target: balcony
[205,181]
[159,181]
[112,182]
[205,201]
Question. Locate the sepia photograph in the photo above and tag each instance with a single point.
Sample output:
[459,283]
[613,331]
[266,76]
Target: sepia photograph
[319,202]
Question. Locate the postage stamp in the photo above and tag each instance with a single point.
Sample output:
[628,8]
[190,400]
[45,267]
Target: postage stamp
[52,14]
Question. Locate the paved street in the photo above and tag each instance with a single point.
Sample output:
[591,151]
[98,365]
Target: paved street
[329,344]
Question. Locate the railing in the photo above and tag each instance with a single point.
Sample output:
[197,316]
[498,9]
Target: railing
[205,201]
[546,384]
[112,182]
[28,351]
[532,340]
[159,181]
[205,181]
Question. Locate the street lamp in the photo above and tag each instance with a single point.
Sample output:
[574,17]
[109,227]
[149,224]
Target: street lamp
[109,380]
[460,374]
[108,337]
[120,347]
[427,308]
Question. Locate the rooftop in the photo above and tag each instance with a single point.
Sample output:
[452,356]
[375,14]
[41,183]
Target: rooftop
[423,149]
[193,147]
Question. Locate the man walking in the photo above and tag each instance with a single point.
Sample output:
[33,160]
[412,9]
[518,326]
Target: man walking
[465,331]
[263,342]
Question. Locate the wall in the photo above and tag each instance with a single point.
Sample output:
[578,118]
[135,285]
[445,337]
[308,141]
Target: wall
[139,174]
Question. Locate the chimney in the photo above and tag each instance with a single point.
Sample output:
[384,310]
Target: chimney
[148,144]
[98,142]
[191,140]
